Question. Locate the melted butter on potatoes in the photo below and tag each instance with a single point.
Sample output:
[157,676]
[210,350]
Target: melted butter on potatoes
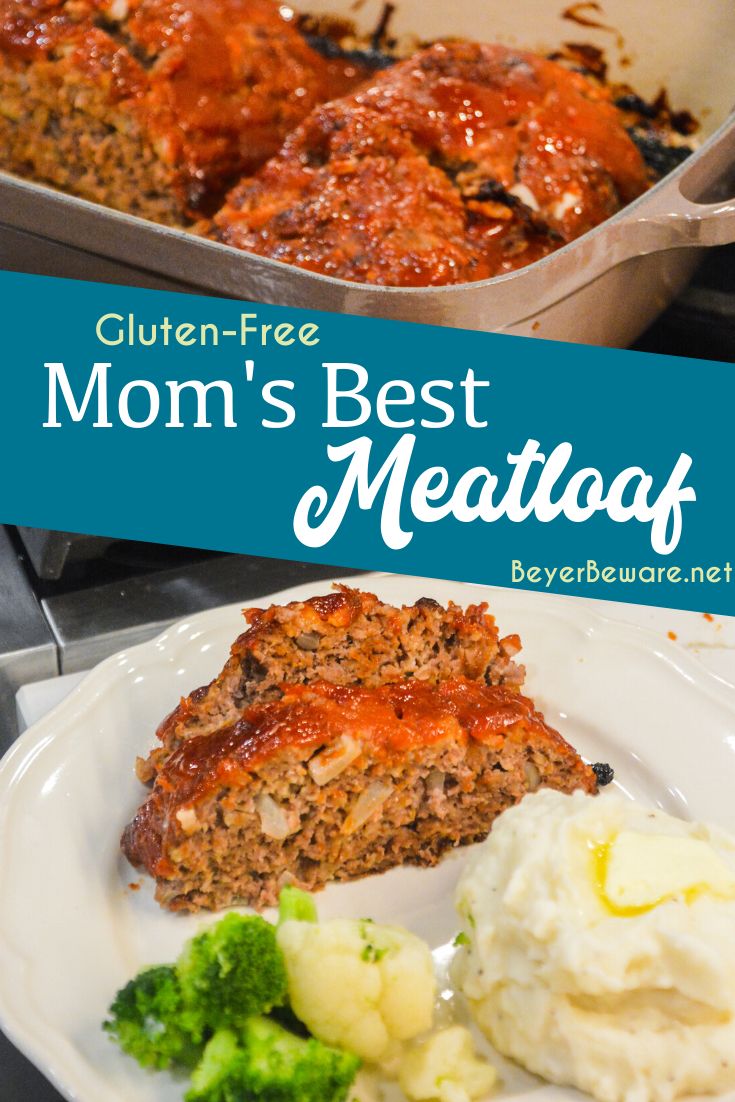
[601,947]
[636,872]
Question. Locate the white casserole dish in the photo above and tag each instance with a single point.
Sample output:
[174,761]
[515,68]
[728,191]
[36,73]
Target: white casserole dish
[603,289]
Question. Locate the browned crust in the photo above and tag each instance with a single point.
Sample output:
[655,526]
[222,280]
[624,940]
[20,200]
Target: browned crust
[463,162]
[347,636]
[154,107]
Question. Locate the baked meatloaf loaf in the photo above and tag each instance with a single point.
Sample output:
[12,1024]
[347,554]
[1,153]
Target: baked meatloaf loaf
[332,782]
[345,637]
[154,107]
[463,162]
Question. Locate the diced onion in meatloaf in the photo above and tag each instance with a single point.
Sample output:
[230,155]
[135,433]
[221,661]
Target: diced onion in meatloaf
[367,804]
[344,637]
[273,820]
[332,761]
[435,764]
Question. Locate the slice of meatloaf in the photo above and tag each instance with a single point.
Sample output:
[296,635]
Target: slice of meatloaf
[344,637]
[154,107]
[335,782]
[465,161]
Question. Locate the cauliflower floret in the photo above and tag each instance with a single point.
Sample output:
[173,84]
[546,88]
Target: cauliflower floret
[445,1067]
[358,985]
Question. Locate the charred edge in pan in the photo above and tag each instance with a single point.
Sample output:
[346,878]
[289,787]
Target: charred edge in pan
[329,48]
[604,773]
[660,157]
[325,34]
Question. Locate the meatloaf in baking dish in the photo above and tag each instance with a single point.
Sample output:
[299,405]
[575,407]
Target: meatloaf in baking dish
[344,637]
[332,782]
[460,163]
[154,107]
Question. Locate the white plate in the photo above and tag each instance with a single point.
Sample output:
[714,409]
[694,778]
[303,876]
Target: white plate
[71,929]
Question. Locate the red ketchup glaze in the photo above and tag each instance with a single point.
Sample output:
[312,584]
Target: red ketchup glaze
[233,77]
[338,609]
[390,721]
[458,164]
[32,27]
[217,84]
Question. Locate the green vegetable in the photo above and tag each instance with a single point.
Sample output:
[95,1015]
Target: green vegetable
[462,939]
[285,1068]
[372,954]
[206,1013]
[150,1021]
[297,905]
[232,972]
[269,1064]
[213,1079]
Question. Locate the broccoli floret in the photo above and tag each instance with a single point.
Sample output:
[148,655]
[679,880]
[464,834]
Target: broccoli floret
[233,971]
[297,905]
[150,1021]
[286,1068]
[224,976]
[269,1064]
[215,1076]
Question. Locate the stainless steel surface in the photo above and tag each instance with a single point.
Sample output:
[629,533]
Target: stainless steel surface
[50,552]
[27,644]
[77,628]
[92,624]
[701,323]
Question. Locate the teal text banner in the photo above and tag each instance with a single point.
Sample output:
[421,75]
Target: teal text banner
[365,443]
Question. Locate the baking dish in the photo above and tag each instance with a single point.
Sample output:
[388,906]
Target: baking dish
[604,288]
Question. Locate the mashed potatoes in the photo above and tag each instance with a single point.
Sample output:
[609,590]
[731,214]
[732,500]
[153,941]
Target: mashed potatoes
[602,947]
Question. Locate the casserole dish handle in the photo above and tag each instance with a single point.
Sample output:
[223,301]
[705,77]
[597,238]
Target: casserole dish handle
[681,215]
[684,211]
